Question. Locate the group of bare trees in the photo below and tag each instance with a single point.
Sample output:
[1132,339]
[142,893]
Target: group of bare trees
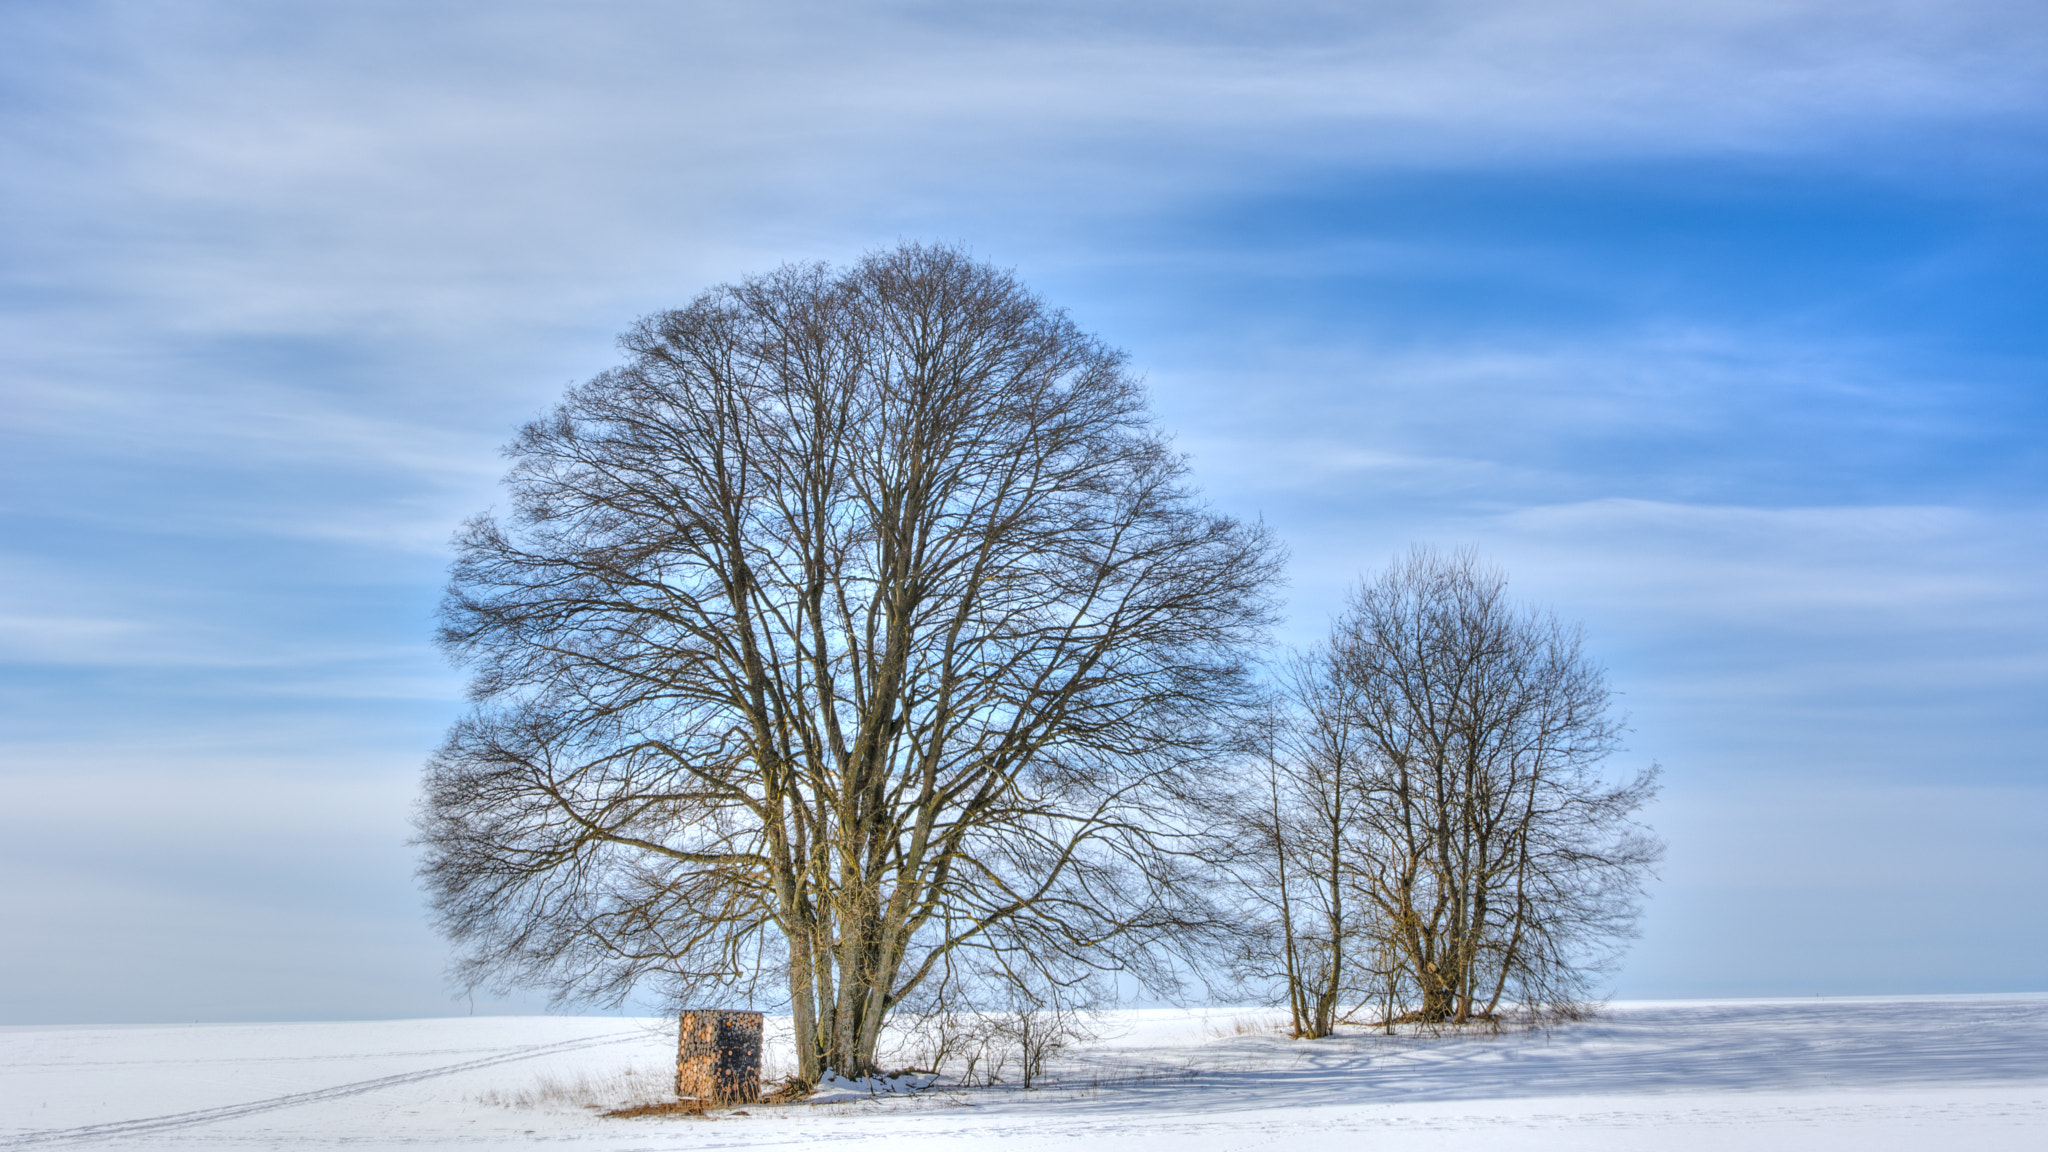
[858,643]
[1432,833]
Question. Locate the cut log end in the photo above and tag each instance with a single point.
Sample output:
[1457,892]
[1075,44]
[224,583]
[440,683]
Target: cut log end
[718,1056]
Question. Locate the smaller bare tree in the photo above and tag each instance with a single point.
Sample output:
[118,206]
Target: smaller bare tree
[1505,863]
[1287,843]
[1425,826]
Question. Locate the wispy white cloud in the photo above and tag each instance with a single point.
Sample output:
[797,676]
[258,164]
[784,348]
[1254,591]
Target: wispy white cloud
[363,166]
[1685,413]
[1934,568]
[1862,643]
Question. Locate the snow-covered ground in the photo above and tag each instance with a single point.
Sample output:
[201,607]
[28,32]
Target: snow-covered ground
[1946,1073]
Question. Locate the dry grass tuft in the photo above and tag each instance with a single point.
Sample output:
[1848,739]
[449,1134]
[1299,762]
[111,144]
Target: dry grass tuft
[618,1088]
[666,1108]
[1256,1025]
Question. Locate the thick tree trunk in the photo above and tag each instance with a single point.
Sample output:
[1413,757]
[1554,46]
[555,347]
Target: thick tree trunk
[803,1010]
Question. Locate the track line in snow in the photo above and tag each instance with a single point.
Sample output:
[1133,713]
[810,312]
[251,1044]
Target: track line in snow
[338,1092]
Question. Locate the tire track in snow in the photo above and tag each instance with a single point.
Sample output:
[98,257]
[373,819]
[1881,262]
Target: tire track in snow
[340,1091]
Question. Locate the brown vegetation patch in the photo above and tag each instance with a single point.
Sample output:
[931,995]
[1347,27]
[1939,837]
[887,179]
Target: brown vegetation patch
[789,1091]
[665,1108]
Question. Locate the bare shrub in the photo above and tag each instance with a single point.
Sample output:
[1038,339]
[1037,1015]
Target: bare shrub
[953,1027]
[1037,1028]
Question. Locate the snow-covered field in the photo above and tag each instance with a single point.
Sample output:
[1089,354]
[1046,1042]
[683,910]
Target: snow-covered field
[1947,1073]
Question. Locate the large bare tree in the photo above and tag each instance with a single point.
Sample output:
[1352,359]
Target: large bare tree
[858,620]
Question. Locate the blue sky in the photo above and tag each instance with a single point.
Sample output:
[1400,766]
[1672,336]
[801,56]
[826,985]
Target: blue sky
[1724,328]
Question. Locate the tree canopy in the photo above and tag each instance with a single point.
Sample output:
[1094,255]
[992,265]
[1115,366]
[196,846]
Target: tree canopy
[858,633]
